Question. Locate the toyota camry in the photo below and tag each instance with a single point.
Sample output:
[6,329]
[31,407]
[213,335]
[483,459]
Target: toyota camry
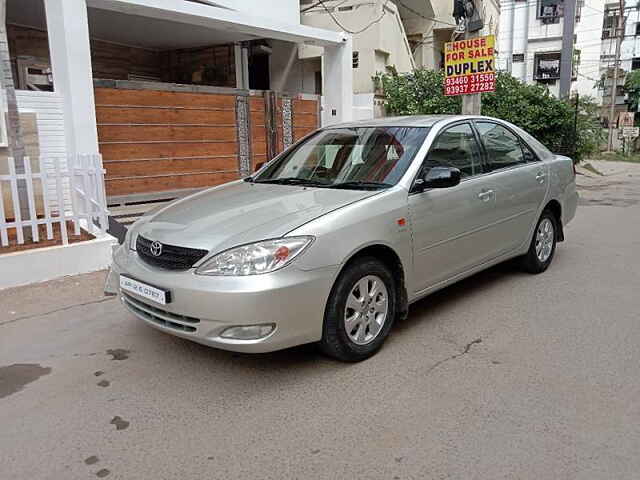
[333,240]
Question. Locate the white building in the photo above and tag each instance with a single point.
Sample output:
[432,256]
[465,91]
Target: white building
[379,41]
[629,52]
[530,42]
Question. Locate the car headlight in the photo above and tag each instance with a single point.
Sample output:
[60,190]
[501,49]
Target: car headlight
[256,258]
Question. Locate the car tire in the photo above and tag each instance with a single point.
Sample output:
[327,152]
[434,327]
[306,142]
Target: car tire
[354,325]
[543,244]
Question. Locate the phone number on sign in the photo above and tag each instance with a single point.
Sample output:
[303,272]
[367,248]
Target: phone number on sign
[470,84]
[474,78]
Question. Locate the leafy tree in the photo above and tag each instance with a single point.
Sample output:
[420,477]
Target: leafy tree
[590,134]
[530,106]
[632,88]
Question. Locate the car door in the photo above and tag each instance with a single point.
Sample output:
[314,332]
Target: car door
[519,179]
[449,225]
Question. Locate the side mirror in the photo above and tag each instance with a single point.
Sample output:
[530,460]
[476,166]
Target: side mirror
[439,177]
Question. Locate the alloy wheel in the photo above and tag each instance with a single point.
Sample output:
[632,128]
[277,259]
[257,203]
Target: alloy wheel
[545,237]
[366,310]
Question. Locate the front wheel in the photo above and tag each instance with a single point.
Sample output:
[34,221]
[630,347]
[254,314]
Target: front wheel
[543,244]
[360,311]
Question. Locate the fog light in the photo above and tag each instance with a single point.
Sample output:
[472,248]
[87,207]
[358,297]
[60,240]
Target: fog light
[249,332]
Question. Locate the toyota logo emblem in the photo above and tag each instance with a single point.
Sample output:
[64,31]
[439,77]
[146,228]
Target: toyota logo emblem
[156,249]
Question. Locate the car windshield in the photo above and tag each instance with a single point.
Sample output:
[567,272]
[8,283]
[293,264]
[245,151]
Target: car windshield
[358,158]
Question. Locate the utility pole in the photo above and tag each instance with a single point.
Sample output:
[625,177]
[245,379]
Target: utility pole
[472,103]
[616,66]
[566,57]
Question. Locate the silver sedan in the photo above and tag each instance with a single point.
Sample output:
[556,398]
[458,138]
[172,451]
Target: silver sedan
[333,239]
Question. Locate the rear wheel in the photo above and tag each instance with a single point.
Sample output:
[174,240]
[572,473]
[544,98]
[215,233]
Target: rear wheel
[360,311]
[543,244]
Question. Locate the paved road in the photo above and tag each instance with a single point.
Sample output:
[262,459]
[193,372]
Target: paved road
[505,375]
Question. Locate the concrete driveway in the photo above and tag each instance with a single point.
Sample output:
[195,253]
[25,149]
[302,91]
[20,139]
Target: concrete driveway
[505,375]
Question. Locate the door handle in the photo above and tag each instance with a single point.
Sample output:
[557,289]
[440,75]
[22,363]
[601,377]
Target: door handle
[540,176]
[485,195]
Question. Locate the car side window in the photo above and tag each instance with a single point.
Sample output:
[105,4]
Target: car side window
[529,156]
[503,147]
[455,147]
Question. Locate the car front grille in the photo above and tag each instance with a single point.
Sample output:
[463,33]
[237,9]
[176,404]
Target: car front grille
[159,316]
[171,256]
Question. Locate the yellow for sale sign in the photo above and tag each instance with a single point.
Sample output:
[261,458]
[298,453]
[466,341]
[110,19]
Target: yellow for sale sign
[470,66]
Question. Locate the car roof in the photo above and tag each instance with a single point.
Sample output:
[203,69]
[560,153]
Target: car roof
[406,121]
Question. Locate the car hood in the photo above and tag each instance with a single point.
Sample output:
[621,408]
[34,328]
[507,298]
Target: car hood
[242,212]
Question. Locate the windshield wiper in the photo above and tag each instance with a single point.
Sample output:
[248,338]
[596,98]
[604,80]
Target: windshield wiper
[361,185]
[293,181]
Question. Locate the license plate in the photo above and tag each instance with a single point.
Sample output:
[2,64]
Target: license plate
[144,290]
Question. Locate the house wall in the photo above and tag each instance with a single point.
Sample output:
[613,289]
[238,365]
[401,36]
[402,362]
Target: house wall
[114,61]
[414,24]
[381,45]
[108,60]
[541,45]
[289,73]
[312,81]
[120,62]
[28,42]
[214,65]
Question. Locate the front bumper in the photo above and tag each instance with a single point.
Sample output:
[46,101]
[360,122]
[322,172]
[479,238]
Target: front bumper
[202,307]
